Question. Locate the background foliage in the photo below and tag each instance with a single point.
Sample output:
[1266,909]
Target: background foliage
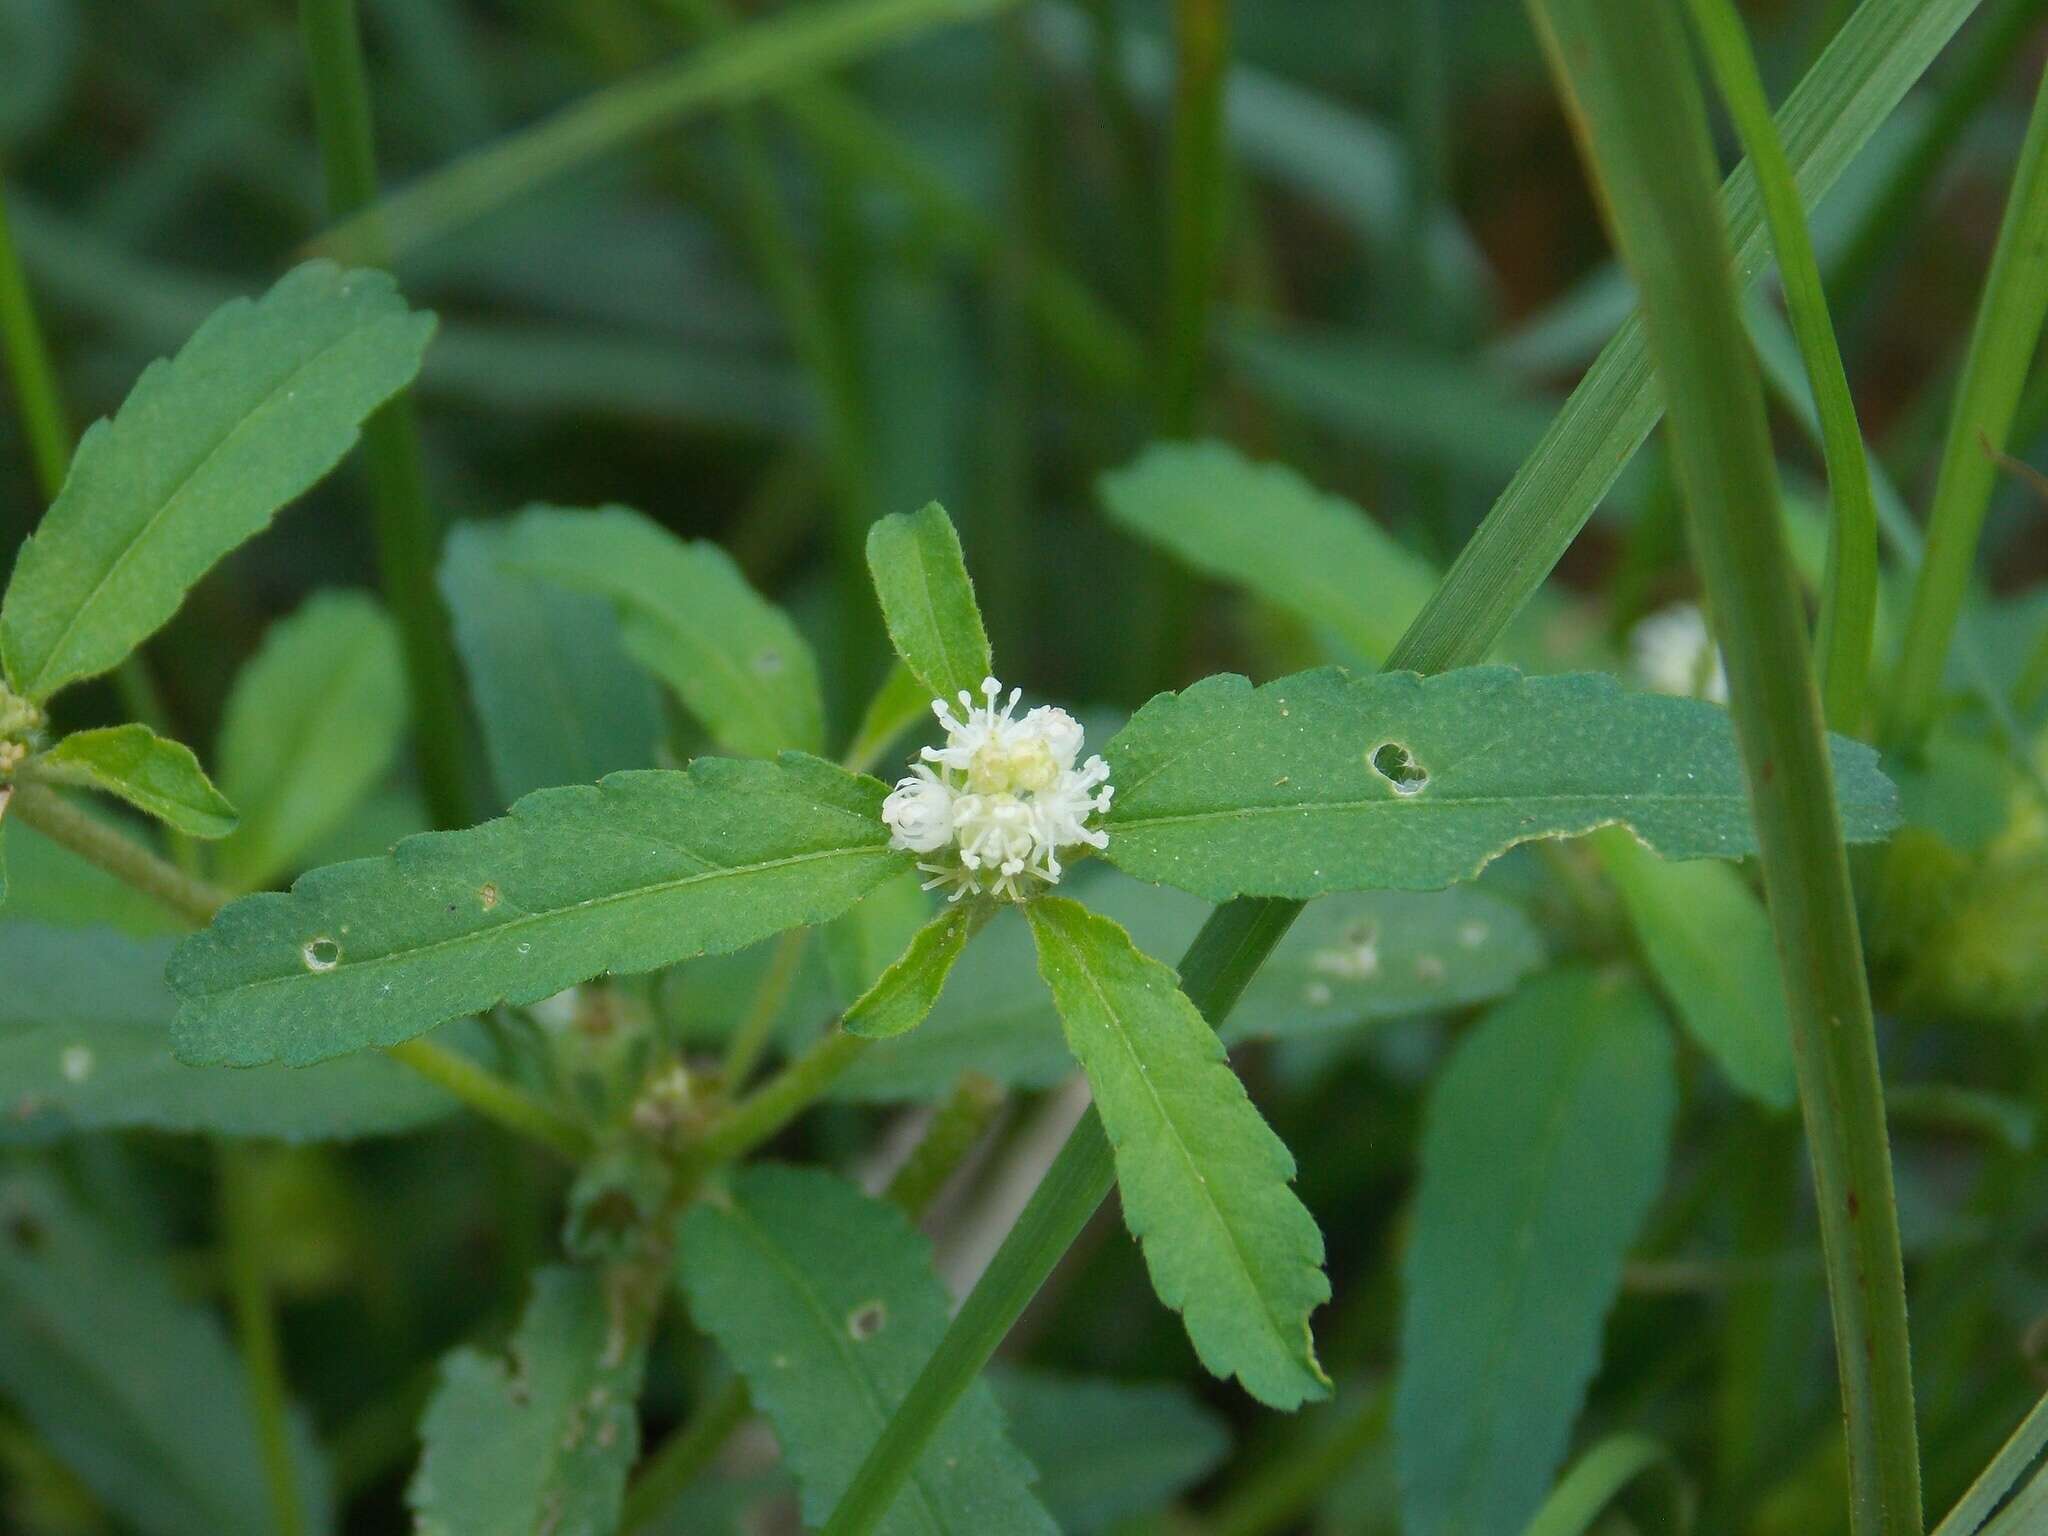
[1219,331]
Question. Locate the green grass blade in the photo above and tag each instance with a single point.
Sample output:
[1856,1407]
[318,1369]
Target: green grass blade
[407,531]
[795,45]
[1997,1479]
[1644,124]
[1995,371]
[1600,1476]
[1848,610]
[1863,74]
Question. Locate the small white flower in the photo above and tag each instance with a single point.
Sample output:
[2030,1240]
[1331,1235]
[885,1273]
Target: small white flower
[1674,653]
[1006,796]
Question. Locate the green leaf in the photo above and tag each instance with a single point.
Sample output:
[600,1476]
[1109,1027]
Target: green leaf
[539,1444]
[156,776]
[312,725]
[687,615]
[1544,1147]
[825,1301]
[637,872]
[1427,953]
[85,1045]
[260,404]
[134,1389]
[1707,941]
[906,992]
[558,698]
[1204,1179]
[1326,782]
[928,602]
[1370,955]
[1263,527]
[1109,1450]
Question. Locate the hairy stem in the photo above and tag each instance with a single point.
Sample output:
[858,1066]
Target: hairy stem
[492,1097]
[58,819]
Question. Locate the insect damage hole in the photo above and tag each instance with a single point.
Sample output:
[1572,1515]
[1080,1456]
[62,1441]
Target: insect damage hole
[1394,763]
[865,1321]
[321,954]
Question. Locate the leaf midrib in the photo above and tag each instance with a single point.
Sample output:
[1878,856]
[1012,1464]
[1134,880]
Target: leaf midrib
[549,914]
[1416,804]
[184,486]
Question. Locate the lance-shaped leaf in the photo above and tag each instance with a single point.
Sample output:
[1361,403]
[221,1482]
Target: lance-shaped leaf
[1707,939]
[688,616]
[928,601]
[1328,782]
[826,1303]
[1204,1180]
[261,403]
[559,700]
[1544,1147]
[639,871]
[85,1044]
[156,776]
[539,1445]
[906,991]
[311,726]
[1263,527]
[134,1388]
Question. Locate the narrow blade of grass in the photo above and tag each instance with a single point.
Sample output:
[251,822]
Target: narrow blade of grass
[408,539]
[2002,345]
[1644,127]
[1858,80]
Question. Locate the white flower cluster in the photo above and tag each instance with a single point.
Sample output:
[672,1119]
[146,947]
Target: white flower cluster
[1004,799]
[1674,653]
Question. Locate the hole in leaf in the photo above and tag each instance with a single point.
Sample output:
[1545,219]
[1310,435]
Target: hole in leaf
[864,1322]
[1393,762]
[488,895]
[321,954]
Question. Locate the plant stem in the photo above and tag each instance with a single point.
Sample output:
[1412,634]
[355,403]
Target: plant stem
[1275,1496]
[2002,347]
[775,1103]
[743,1051]
[1644,132]
[256,1331]
[493,1097]
[1848,606]
[408,542]
[1225,955]
[684,1455]
[47,810]
[28,366]
[955,1127]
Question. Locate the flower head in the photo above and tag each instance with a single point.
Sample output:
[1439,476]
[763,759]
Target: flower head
[997,802]
[1674,653]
